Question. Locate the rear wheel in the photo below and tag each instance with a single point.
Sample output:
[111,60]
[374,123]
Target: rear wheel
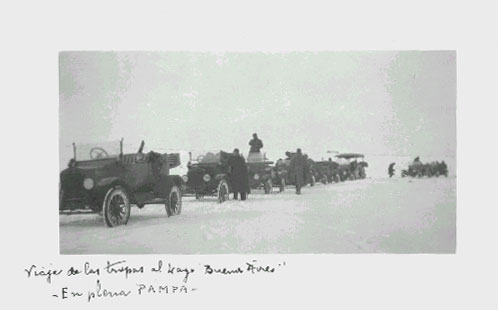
[174,202]
[116,208]
[325,179]
[223,191]
[313,180]
[282,185]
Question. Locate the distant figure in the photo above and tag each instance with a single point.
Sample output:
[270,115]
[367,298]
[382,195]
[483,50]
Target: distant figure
[417,159]
[256,144]
[298,169]
[444,168]
[391,169]
[280,162]
[239,178]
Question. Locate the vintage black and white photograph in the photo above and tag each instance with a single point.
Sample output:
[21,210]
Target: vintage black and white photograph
[257,152]
[247,154]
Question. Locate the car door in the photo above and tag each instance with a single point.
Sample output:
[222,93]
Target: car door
[138,174]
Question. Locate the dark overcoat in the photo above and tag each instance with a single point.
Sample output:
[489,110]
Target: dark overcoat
[239,178]
[256,144]
[298,168]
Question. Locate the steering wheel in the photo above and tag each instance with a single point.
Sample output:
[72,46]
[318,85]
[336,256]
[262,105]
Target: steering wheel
[98,152]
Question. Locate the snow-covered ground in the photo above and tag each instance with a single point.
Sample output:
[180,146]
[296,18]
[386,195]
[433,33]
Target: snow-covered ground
[399,215]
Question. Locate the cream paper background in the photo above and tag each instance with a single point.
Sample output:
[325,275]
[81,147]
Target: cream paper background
[35,32]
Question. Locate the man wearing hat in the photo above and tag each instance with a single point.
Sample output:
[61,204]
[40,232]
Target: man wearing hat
[298,168]
[256,144]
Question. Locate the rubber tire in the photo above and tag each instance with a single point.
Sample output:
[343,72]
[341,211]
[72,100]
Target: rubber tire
[325,180]
[175,190]
[117,190]
[223,183]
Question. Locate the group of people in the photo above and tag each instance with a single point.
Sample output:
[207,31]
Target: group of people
[417,163]
[238,172]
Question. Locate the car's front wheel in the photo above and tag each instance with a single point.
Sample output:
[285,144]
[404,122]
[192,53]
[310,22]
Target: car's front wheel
[116,208]
[223,192]
[174,202]
[282,185]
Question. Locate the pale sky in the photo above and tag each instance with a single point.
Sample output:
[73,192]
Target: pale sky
[398,103]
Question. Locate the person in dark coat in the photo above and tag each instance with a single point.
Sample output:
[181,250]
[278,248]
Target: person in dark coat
[239,178]
[256,144]
[391,169]
[298,169]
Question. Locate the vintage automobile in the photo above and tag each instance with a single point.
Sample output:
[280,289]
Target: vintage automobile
[440,168]
[327,171]
[103,179]
[208,175]
[262,174]
[351,168]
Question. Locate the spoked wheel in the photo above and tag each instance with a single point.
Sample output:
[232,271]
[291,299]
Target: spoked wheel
[116,209]
[268,186]
[223,191]
[174,202]
[282,185]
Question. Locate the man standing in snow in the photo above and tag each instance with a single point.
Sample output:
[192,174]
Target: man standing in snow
[239,178]
[298,169]
[391,169]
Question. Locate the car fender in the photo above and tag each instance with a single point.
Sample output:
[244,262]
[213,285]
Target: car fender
[104,184]
[220,176]
[174,180]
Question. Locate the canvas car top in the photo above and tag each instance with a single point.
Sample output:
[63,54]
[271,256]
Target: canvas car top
[350,155]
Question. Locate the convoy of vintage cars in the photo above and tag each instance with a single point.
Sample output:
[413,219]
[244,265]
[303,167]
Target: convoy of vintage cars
[105,180]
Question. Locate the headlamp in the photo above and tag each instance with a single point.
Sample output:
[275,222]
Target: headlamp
[88,184]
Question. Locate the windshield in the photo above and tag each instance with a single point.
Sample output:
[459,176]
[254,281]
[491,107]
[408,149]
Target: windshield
[99,150]
[207,157]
